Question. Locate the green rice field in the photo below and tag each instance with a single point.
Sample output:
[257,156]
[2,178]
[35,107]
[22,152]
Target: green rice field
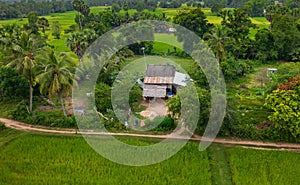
[67,19]
[33,158]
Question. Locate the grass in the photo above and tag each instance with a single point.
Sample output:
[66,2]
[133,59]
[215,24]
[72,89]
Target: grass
[220,169]
[33,158]
[264,167]
[41,159]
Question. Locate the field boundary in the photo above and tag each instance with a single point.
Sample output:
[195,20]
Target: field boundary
[251,144]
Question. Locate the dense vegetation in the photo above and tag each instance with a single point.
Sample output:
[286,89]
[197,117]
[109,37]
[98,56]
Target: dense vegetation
[41,51]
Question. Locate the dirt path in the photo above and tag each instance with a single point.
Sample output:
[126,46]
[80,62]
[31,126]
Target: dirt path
[250,144]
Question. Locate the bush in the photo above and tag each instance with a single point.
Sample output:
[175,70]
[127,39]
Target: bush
[53,118]
[163,124]
[234,69]
[2,126]
[12,85]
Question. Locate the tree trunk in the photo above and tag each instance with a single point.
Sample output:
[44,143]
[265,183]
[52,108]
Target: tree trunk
[30,95]
[62,104]
[80,26]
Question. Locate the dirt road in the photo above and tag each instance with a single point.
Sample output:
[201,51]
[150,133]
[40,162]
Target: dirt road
[248,144]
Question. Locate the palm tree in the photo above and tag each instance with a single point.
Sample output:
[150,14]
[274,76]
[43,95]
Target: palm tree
[23,60]
[81,7]
[80,41]
[218,41]
[57,76]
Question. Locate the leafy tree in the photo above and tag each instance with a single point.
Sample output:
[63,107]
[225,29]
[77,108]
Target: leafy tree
[82,8]
[103,97]
[238,23]
[285,104]
[265,45]
[23,60]
[273,10]
[194,20]
[12,85]
[286,36]
[57,76]
[217,6]
[32,22]
[56,29]
[217,41]
[115,8]
[80,41]
[255,8]
[174,105]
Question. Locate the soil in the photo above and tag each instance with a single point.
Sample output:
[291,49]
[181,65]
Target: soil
[155,108]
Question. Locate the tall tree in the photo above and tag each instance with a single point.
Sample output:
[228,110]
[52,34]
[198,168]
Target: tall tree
[57,76]
[238,23]
[82,8]
[23,60]
[217,41]
[43,23]
[80,41]
[194,20]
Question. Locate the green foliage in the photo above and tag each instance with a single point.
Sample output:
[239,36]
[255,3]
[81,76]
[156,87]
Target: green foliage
[174,106]
[285,104]
[284,73]
[2,126]
[135,97]
[164,124]
[12,85]
[103,97]
[286,37]
[56,29]
[265,45]
[234,69]
[194,20]
[50,118]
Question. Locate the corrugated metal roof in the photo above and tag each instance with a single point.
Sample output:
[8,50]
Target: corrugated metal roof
[160,71]
[158,80]
[180,79]
[154,91]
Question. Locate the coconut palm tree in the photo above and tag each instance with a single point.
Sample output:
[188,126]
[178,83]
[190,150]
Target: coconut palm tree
[23,59]
[218,40]
[57,76]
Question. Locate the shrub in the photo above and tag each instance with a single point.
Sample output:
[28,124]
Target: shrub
[12,84]
[234,69]
[53,118]
[163,124]
[2,126]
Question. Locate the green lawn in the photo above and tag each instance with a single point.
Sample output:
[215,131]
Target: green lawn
[27,158]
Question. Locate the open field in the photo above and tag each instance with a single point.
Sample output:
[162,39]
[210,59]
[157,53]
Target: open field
[27,158]
[67,19]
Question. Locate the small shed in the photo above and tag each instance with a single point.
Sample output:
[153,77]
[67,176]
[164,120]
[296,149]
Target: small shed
[158,80]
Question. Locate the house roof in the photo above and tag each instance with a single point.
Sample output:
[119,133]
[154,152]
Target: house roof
[160,71]
[158,80]
[154,91]
[180,79]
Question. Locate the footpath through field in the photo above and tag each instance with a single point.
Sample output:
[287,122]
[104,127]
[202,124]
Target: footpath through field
[247,144]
